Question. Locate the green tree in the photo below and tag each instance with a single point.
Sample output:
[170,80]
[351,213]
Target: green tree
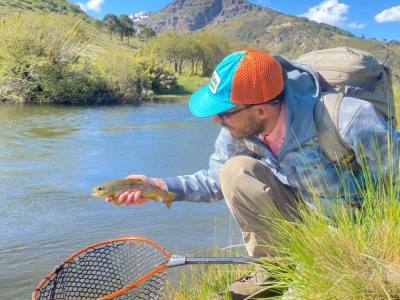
[112,23]
[213,48]
[145,33]
[195,51]
[170,47]
[126,26]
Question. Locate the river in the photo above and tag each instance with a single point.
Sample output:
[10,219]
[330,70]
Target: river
[51,157]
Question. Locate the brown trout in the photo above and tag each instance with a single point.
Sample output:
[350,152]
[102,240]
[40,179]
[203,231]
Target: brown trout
[115,188]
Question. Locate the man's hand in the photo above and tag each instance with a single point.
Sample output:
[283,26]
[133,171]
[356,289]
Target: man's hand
[135,197]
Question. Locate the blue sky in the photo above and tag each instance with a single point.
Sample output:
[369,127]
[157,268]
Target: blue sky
[370,18]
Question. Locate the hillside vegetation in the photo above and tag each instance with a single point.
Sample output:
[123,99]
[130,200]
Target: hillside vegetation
[266,29]
[69,59]
[52,52]
[54,6]
[292,37]
[51,58]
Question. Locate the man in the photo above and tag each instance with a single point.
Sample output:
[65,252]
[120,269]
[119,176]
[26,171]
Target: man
[267,156]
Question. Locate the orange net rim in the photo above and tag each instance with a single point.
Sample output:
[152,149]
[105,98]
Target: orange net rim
[135,283]
[138,282]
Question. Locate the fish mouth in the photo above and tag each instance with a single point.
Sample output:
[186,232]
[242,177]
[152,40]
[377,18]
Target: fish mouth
[96,195]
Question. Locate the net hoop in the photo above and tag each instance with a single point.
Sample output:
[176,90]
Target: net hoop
[53,274]
[135,284]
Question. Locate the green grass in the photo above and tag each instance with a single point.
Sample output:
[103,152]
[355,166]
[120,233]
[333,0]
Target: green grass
[54,6]
[206,281]
[396,90]
[352,254]
[357,257]
[187,84]
[190,84]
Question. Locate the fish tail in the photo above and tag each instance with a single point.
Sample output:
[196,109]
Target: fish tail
[169,199]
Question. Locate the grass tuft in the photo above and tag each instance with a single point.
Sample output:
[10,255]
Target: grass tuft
[345,252]
[206,281]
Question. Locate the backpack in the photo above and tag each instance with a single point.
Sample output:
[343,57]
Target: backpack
[345,71]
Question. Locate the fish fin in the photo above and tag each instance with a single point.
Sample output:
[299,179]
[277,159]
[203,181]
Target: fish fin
[115,201]
[169,199]
[152,196]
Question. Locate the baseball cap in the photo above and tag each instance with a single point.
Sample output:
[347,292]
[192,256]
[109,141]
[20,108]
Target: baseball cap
[244,77]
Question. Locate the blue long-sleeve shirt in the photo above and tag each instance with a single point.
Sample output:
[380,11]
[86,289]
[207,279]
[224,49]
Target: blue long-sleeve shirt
[301,163]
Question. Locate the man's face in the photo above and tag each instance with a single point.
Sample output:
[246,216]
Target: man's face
[242,122]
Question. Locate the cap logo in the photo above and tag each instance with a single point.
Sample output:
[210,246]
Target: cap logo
[214,82]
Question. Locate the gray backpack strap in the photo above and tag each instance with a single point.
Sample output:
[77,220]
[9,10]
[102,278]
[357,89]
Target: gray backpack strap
[326,118]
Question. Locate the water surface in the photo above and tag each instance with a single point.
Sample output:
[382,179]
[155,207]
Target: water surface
[51,157]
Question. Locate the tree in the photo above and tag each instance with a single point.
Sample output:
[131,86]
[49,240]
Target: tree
[112,23]
[194,52]
[213,49]
[145,33]
[197,51]
[170,47]
[127,28]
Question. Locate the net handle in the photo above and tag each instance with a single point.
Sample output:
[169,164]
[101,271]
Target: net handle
[176,261]
[50,276]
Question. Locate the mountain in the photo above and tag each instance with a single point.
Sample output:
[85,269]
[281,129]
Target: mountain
[54,6]
[264,28]
[184,15]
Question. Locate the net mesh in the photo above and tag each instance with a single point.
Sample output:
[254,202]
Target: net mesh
[107,268]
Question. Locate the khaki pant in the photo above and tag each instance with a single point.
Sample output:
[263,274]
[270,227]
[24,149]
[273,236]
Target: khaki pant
[254,195]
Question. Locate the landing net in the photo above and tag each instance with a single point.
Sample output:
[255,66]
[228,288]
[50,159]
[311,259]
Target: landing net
[120,269]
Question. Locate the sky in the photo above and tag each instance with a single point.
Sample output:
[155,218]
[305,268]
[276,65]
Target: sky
[378,19]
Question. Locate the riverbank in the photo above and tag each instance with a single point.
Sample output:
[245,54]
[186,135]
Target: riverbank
[186,85]
[67,59]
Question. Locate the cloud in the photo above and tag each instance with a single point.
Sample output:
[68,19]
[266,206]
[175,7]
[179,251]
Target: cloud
[330,12]
[355,25]
[93,5]
[139,16]
[389,15]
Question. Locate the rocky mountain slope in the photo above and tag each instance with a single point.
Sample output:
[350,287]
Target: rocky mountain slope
[266,29]
[184,15]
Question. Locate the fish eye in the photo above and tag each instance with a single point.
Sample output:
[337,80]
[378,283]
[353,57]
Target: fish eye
[100,188]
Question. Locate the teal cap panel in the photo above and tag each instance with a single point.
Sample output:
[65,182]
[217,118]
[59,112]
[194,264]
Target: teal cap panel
[215,97]
[203,104]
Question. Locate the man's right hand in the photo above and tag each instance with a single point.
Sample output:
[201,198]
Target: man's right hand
[135,197]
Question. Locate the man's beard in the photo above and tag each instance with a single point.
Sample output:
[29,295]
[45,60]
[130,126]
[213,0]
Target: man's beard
[252,128]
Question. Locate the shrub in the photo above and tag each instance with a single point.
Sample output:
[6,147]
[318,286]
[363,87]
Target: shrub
[41,59]
[122,75]
[45,59]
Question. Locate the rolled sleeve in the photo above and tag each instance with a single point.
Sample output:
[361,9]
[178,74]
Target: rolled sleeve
[204,185]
